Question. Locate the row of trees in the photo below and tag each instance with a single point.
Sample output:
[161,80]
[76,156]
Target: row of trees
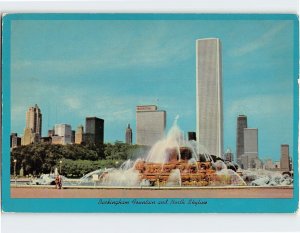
[76,160]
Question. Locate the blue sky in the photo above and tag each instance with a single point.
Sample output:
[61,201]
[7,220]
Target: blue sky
[78,68]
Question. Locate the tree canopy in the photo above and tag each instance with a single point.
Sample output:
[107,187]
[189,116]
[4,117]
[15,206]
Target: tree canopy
[77,160]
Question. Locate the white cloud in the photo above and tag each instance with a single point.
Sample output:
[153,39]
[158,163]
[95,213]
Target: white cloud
[153,47]
[259,42]
[72,102]
[262,106]
[156,55]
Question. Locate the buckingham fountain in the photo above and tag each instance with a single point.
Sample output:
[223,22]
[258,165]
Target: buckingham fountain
[171,162]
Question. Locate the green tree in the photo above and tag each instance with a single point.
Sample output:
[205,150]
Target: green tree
[76,159]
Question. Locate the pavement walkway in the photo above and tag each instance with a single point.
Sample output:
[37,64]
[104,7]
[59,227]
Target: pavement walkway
[217,192]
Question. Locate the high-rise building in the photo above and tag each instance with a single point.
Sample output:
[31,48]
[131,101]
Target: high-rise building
[209,103]
[128,135]
[192,136]
[33,129]
[64,131]
[28,137]
[34,120]
[79,135]
[240,126]
[285,158]
[250,157]
[94,130]
[15,141]
[251,141]
[150,124]
[73,136]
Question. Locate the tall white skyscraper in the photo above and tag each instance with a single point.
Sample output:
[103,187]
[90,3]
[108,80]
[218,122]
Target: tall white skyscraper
[150,124]
[209,101]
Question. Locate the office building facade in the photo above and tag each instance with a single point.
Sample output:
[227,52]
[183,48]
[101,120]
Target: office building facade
[209,103]
[150,124]
[94,130]
[34,120]
[73,136]
[65,132]
[240,126]
[250,157]
[28,137]
[251,141]
[285,158]
[15,141]
[79,135]
[33,128]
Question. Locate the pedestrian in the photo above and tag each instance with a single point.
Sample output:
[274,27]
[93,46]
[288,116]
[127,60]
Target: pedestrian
[56,182]
[59,181]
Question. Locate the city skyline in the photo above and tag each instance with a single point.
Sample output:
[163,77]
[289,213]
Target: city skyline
[157,66]
[188,136]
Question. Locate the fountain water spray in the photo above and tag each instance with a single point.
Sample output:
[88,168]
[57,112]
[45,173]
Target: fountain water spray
[172,161]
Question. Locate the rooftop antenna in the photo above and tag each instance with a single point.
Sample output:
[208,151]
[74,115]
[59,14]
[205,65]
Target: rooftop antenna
[157,102]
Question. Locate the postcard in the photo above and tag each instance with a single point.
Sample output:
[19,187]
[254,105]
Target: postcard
[150,113]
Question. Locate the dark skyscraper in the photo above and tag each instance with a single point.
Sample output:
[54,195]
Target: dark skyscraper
[128,135]
[73,136]
[241,124]
[94,128]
